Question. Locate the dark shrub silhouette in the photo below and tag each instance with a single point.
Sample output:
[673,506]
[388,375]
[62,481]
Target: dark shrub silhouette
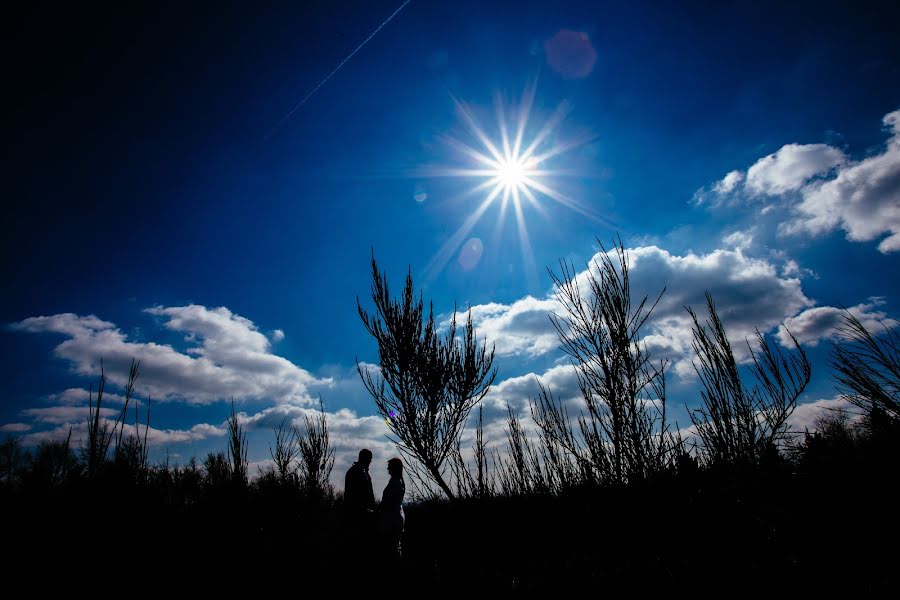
[53,465]
[237,450]
[316,455]
[13,459]
[476,481]
[103,434]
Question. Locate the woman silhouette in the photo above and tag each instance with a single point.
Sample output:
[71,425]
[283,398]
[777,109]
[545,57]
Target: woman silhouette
[391,508]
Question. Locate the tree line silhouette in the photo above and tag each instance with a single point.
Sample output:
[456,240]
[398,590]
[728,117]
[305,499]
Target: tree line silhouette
[608,493]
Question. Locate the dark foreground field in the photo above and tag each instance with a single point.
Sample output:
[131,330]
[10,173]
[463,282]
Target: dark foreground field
[826,525]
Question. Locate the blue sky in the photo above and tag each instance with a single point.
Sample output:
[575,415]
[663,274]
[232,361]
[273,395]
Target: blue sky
[152,210]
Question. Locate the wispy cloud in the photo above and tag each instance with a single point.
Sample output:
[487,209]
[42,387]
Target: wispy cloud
[15,428]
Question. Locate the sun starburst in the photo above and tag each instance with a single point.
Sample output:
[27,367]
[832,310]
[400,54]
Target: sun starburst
[512,170]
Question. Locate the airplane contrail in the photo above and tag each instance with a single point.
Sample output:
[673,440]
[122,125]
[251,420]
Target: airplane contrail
[336,69]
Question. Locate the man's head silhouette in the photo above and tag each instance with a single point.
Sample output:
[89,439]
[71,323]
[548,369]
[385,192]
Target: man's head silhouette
[365,458]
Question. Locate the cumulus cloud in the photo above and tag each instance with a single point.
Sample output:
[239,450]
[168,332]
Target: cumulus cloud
[749,293]
[226,356]
[824,190]
[729,182]
[739,239]
[520,328]
[791,168]
[863,200]
[516,391]
[823,322]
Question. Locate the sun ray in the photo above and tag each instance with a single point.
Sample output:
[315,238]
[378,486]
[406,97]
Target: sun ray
[564,147]
[501,217]
[569,202]
[524,112]
[440,260]
[524,241]
[548,127]
[533,202]
[504,134]
[469,118]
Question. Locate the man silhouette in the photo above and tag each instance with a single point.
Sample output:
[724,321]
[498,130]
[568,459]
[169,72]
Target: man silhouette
[359,502]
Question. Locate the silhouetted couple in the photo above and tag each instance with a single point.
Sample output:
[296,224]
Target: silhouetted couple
[370,526]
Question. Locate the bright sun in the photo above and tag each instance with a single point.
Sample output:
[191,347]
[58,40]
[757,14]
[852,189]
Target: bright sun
[513,170]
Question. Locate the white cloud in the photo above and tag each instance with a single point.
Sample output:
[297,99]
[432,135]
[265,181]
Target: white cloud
[78,396]
[516,391]
[227,356]
[863,200]
[806,414]
[822,322]
[824,190]
[791,168]
[721,191]
[739,239]
[15,428]
[277,335]
[728,183]
[155,437]
[520,328]
[791,268]
[64,414]
[749,294]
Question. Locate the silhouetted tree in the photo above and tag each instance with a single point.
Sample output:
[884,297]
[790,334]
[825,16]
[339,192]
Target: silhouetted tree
[867,367]
[738,424]
[624,434]
[428,381]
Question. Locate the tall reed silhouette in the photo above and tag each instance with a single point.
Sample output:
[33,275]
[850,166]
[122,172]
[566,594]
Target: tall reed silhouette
[738,424]
[867,367]
[623,435]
